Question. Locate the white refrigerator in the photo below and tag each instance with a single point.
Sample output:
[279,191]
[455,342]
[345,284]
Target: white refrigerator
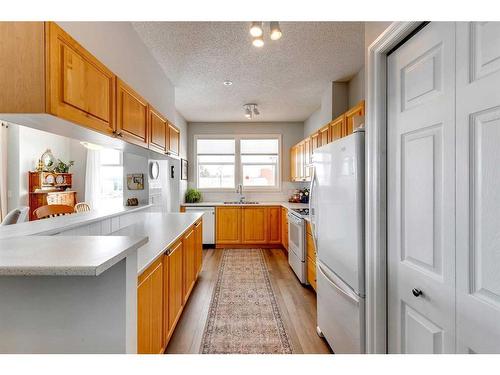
[337,217]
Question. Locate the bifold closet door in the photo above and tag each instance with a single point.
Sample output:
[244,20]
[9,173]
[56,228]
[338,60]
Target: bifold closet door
[421,192]
[478,187]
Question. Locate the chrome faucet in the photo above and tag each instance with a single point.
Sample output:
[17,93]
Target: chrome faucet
[239,190]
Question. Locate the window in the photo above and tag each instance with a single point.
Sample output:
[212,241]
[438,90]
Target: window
[111,177]
[259,162]
[216,163]
[225,162]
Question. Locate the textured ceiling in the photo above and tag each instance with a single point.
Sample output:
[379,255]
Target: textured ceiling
[286,78]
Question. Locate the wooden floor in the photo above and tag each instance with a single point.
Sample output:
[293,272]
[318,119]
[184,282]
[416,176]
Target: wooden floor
[297,305]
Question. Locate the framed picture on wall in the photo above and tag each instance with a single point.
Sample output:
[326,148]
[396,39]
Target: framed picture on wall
[184,169]
[135,181]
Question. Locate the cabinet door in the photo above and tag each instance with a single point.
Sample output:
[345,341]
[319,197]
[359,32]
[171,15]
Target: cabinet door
[158,128]
[131,115]
[299,160]
[358,110]
[293,163]
[80,88]
[254,225]
[307,159]
[150,337]
[198,232]
[173,142]
[274,225]
[228,225]
[315,141]
[324,135]
[337,128]
[311,273]
[284,227]
[175,290]
[188,244]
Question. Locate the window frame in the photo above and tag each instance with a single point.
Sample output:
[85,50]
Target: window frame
[238,167]
[124,182]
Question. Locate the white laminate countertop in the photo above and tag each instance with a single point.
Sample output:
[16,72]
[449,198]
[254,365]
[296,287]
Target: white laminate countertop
[62,223]
[64,256]
[163,229]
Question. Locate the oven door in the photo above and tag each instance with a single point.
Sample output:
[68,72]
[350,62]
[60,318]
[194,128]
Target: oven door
[296,235]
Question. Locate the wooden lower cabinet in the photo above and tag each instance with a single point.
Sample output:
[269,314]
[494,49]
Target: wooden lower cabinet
[274,225]
[311,257]
[188,244]
[284,227]
[150,309]
[228,225]
[254,225]
[163,289]
[248,226]
[175,294]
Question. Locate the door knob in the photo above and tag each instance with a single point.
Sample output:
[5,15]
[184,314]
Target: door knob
[417,292]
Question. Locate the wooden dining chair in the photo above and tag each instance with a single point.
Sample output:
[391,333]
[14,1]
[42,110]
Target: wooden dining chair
[82,207]
[53,210]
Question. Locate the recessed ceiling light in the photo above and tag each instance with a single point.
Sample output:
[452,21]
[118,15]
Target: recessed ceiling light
[228,83]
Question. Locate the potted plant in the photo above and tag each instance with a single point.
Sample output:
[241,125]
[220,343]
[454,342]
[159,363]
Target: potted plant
[62,167]
[192,196]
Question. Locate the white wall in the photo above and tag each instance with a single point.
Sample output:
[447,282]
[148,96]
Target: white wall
[118,46]
[134,164]
[26,145]
[292,133]
[356,88]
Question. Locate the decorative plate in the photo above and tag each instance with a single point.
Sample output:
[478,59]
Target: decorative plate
[49,179]
[59,179]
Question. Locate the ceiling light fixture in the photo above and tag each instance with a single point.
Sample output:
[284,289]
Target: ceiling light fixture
[251,110]
[258,41]
[256,29]
[275,30]
[228,83]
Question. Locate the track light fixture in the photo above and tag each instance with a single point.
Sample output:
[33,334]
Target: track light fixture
[251,110]
[257,32]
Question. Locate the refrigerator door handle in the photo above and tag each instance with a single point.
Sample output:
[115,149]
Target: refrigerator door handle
[349,294]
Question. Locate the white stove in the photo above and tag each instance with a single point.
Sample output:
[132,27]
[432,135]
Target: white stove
[296,242]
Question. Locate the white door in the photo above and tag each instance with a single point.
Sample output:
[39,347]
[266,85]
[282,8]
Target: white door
[478,187]
[421,192]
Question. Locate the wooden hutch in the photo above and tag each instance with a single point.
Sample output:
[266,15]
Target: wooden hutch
[50,188]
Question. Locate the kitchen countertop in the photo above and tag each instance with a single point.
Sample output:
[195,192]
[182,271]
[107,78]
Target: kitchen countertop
[62,223]
[64,256]
[163,230]
[287,205]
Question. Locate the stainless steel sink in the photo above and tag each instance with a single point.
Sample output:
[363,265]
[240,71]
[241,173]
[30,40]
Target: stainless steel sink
[238,202]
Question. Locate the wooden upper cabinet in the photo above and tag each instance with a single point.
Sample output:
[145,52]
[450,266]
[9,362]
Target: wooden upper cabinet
[324,135]
[158,129]
[315,141]
[307,159]
[80,88]
[150,338]
[254,225]
[337,128]
[174,139]
[274,225]
[131,115]
[357,110]
[293,163]
[228,225]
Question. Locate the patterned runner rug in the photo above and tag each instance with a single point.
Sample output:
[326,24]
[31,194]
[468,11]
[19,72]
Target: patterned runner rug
[244,317]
